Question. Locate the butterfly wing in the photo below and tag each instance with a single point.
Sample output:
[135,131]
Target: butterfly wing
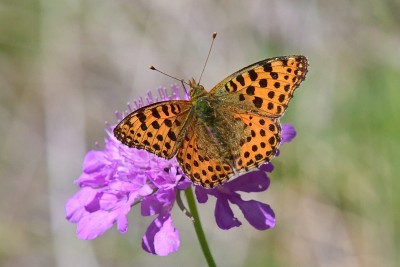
[258,95]
[158,128]
[260,141]
[200,157]
[265,87]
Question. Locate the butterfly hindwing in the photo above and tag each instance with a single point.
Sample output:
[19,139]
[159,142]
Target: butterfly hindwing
[260,142]
[157,128]
[200,160]
[264,87]
[200,157]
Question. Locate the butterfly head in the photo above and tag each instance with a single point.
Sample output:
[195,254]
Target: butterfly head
[196,90]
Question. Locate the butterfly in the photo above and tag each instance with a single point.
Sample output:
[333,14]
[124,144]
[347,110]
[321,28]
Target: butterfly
[219,134]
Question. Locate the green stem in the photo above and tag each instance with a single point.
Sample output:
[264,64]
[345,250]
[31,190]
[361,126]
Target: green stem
[199,229]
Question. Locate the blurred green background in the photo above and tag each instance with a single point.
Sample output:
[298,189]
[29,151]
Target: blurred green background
[66,66]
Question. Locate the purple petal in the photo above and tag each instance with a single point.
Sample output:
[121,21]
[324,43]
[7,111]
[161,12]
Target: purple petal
[258,214]
[224,214]
[95,179]
[267,167]
[288,133]
[255,181]
[201,194]
[75,207]
[105,201]
[127,186]
[184,184]
[161,237]
[94,161]
[95,224]
[146,190]
[167,240]
[122,220]
[160,203]
[122,224]
[150,206]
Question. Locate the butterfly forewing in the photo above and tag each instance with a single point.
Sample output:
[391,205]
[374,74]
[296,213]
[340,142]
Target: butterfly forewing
[264,87]
[158,128]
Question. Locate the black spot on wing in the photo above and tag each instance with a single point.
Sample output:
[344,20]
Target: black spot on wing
[165,110]
[257,101]
[240,79]
[155,113]
[250,90]
[263,83]
[253,75]
[267,67]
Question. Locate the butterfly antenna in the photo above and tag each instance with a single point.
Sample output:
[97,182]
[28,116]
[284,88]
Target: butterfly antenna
[182,81]
[209,51]
[184,88]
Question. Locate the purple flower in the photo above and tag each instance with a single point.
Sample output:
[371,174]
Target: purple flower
[117,177]
[258,214]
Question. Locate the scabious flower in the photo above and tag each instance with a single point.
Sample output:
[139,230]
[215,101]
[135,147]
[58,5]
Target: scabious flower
[117,177]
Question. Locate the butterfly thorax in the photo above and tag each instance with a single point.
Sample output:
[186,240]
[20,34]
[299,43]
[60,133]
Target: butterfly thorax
[202,103]
[218,126]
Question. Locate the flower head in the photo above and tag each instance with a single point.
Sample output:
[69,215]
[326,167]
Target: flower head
[118,177]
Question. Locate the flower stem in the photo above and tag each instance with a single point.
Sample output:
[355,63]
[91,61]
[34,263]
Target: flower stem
[199,229]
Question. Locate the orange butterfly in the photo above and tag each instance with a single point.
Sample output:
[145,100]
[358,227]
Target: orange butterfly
[215,135]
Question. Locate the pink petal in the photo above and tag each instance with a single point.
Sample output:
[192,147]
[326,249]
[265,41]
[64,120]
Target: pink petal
[75,207]
[224,214]
[201,194]
[95,224]
[288,133]
[161,237]
[255,181]
[258,214]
